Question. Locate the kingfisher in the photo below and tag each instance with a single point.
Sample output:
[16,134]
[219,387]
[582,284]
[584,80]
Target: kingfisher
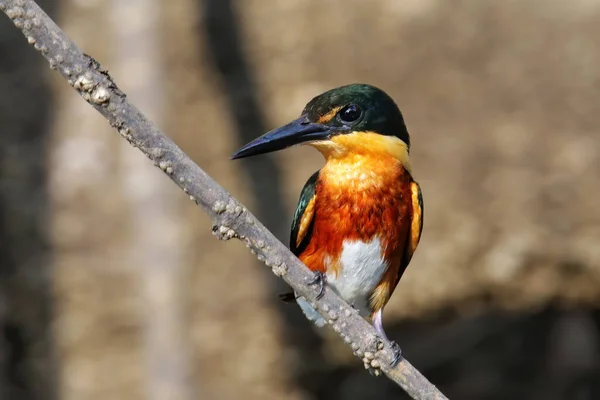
[359,218]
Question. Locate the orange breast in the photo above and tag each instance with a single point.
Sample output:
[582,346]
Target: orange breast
[358,197]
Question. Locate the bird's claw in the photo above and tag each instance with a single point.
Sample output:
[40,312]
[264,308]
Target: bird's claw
[397,352]
[319,279]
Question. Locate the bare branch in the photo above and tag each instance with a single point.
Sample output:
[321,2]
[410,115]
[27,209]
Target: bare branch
[230,218]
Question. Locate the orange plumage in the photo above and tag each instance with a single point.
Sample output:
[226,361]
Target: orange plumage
[346,208]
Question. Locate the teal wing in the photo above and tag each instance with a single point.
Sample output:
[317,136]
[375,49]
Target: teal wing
[302,224]
[303,217]
[415,230]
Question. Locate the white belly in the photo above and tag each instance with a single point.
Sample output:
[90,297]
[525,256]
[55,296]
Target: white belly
[361,268]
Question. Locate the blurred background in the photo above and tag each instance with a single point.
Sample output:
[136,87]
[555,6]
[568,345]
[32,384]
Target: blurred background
[112,286]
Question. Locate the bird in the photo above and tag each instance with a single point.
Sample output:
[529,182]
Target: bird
[359,218]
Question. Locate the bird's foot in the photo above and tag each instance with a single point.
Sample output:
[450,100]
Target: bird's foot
[378,324]
[397,352]
[319,279]
[288,297]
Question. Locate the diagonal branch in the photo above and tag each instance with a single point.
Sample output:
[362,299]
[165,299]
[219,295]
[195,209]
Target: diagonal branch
[230,218]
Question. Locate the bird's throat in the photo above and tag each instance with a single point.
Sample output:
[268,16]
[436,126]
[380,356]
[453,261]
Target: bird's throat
[363,146]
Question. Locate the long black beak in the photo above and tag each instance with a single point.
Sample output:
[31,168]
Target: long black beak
[298,131]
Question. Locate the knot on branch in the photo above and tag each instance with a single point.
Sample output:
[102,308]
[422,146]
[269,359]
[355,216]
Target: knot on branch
[233,209]
[166,166]
[222,232]
[93,64]
[91,90]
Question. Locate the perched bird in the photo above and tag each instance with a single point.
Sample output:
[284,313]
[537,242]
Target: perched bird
[359,218]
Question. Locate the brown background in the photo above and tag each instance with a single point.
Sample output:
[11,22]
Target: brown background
[112,286]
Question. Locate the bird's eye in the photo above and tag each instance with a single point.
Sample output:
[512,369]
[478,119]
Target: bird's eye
[350,113]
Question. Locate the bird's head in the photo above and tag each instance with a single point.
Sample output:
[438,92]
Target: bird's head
[356,118]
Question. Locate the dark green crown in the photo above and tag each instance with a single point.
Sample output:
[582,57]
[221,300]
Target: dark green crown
[376,112]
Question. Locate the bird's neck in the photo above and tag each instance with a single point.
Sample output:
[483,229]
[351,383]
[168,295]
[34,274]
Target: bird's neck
[363,173]
[364,149]
[363,160]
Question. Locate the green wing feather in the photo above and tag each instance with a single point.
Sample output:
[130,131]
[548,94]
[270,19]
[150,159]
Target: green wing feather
[308,192]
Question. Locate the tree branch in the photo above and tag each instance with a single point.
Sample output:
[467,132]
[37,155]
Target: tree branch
[230,218]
